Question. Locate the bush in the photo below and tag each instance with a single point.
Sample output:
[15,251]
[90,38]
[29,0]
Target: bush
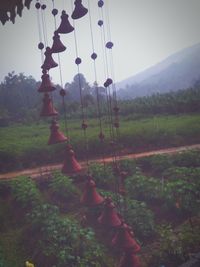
[25,191]
[61,241]
[141,187]
[62,187]
[103,175]
[140,218]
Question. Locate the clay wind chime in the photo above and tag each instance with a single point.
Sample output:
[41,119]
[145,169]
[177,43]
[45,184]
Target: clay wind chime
[109,219]
[46,87]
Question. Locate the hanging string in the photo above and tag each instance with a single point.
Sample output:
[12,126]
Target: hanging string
[93,56]
[62,92]
[43,7]
[110,109]
[40,45]
[84,124]
[115,108]
[108,96]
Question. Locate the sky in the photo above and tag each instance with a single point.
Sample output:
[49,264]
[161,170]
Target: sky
[144,32]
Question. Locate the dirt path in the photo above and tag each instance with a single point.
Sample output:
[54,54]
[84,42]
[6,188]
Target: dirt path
[49,168]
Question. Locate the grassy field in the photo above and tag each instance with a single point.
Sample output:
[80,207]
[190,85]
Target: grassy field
[25,146]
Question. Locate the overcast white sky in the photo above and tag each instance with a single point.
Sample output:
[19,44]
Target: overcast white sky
[144,32]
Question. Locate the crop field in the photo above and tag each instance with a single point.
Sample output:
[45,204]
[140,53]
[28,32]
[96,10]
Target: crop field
[42,220]
[24,146]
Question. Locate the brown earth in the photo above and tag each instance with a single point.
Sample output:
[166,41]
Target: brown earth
[49,168]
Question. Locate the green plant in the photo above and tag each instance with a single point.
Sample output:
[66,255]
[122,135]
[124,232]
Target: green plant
[183,194]
[25,191]
[103,175]
[62,241]
[141,187]
[140,218]
[61,186]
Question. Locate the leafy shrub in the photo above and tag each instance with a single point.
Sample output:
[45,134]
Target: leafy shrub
[183,194]
[141,187]
[61,186]
[155,164]
[140,218]
[62,242]
[188,159]
[103,175]
[176,245]
[25,191]
[129,166]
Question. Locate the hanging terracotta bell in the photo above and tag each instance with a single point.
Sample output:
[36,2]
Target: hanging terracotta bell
[124,240]
[57,46]
[56,136]
[65,26]
[70,165]
[79,10]
[48,108]
[49,62]
[129,259]
[90,196]
[46,84]
[109,216]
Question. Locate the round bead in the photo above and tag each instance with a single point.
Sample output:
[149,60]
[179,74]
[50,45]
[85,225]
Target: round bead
[37,5]
[43,6]
[100,3]
[78,61]
[106,84]
[100,23]
[54,12]
[40,46]
[62,92]
[109,81]
[109,45]
[94,56]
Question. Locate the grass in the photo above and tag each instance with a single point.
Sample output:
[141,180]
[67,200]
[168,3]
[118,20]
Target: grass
[25,146]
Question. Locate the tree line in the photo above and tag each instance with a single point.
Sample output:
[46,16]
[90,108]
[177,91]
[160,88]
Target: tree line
[20,101]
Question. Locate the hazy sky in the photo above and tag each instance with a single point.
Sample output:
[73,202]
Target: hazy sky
[143,31]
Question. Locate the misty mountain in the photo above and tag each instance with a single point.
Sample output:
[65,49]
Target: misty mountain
[179,71]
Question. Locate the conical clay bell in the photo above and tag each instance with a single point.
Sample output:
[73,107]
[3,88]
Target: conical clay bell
[56,136]
[90,196]
[109,216]
[79,10]
[65,26]
[48,108]
[129,259]
[46,85]
[57,46]
[70,165]
[49,63]
[124,240]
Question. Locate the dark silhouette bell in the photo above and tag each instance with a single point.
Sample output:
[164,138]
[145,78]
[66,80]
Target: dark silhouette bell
[90,196]
[49,62]
[48,108]
[124,240]
[56,136]
[46,84]
[57,46]
[129,259]
[65,26]
[70,165]
[79,10]
[109,216]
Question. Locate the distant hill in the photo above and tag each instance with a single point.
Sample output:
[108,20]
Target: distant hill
[179,71]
